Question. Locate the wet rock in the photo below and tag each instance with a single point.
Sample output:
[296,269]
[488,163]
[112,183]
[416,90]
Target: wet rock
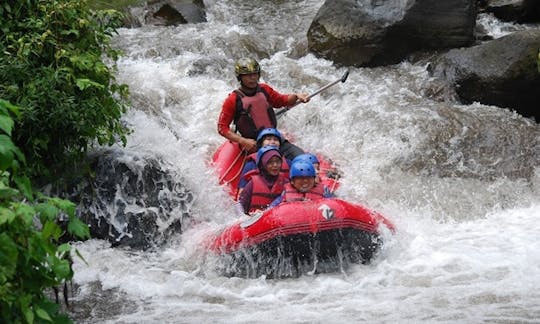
[166,13]
[520,11]
[380,32]
[500,72]
[132,200]
[474,142]
[175,12]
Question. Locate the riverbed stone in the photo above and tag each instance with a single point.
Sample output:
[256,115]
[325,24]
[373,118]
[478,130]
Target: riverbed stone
[132,200]
[502,72]
[520,11]
[175,12]
[373,33]
[165,13]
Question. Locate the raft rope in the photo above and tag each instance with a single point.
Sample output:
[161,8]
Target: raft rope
[242,153]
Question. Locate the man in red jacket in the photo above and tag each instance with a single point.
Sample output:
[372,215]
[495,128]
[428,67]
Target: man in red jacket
[251,108]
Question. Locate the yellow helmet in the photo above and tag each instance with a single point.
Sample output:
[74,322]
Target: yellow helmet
[246,65]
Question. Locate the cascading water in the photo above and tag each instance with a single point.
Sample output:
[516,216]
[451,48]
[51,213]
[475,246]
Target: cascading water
[461,183]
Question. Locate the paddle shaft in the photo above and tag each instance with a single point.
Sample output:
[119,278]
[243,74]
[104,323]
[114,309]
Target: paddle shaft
[342,79]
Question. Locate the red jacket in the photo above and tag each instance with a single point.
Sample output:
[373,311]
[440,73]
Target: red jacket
[228,110]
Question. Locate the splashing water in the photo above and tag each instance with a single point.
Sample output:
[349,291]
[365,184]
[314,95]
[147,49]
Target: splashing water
[461,183]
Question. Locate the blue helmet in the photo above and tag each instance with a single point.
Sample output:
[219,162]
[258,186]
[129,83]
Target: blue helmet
[263,150]
[269,131]
[308,157]
[301,169]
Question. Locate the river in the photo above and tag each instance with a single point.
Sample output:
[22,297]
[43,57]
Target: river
[460,182]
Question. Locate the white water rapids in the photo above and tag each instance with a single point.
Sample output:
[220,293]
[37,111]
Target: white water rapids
[461,183]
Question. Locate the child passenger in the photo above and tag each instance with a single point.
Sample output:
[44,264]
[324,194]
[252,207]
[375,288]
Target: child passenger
[302,185]
[267,136]
[266,184]
[312,158]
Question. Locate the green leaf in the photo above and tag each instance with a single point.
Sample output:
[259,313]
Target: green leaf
[67,206]
[62,319]
[24,302]
[8,256]
[6,152]
[78,228]
[47,212]
[62,268]
[6,124]
[51,229]
[87,83]
[6,215]
[50,308]
[8,193]
[12,108]
[26,212]
[28,315]
[41,313]
[70,32]
[24,186]
[64,248]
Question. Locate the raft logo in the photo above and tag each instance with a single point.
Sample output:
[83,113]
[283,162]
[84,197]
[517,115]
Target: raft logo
[326,212]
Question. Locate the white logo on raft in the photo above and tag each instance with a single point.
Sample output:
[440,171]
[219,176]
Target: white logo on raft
[326,211]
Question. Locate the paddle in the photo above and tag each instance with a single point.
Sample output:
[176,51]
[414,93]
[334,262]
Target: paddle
[342,79]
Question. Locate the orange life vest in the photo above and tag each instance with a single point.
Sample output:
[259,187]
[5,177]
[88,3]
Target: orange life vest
[253,113]
[291,194]
[262,196]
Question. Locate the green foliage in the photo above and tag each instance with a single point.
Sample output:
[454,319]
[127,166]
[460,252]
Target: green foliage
[31,256]
[57,64]
[116,5]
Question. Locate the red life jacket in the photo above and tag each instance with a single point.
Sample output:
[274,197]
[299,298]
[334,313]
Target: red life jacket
[291,194]
[253,113]
[284,171]
[262,196]
[252,157]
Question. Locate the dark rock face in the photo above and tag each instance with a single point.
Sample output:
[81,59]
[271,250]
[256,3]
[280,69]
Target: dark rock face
[169,16]
[132,201]
[520,11]
[166,13]
[502,72]
[175,12]
[385,32]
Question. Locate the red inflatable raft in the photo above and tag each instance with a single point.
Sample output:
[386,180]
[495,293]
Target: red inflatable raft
[229,161]
[293,238]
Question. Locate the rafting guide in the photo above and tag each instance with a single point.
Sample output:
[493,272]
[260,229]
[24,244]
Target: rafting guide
[251,108]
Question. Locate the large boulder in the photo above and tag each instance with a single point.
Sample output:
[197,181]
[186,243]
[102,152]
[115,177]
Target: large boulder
[502,72]
[166,13]
[132,200]
[372,33]
[520,11]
